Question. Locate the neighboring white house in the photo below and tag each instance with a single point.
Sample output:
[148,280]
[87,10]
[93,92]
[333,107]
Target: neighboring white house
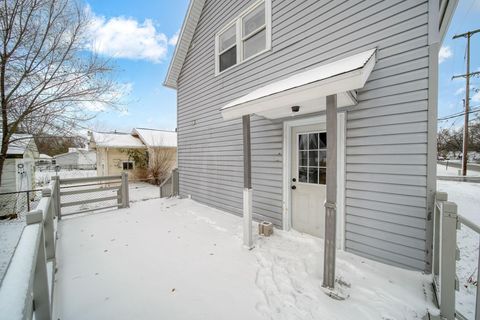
[77,158]
[116,152]
[43,160]
[19,168]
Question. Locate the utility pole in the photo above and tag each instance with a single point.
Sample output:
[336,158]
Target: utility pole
[467,76]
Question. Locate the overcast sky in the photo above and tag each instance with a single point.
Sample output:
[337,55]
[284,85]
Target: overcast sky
[140,36]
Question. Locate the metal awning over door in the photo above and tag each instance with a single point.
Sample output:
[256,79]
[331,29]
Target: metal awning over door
[307,89]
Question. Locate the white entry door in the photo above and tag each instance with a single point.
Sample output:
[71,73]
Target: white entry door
[308,179]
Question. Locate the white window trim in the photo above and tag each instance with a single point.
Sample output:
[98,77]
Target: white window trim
[240,38]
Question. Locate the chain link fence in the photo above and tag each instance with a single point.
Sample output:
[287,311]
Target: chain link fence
[14,205]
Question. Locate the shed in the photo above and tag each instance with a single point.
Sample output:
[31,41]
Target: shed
[19,168]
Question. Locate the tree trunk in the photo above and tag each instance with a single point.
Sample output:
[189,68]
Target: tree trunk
[2,162]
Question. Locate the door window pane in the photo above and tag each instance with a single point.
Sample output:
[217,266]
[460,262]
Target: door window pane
[228,38]
[302,174]
[303,142]
[322,176]
[313,158]
[303,158]
[322,158]
[312,175]
[254,44]
[313,141]
[254,20]
[323,140]
[228,58]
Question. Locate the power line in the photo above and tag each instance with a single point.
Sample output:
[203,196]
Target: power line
[456,115]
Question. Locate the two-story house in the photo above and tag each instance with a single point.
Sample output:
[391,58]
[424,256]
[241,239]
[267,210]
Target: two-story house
[280,99]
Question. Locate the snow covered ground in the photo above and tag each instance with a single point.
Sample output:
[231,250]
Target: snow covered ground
[177,259]
[467,197]
[42,178]
[10,231]
[443,170]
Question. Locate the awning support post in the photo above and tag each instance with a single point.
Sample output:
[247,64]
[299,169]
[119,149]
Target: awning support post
[330,203]
[247,184]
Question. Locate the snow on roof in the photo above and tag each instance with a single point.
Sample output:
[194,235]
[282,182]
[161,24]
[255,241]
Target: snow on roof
[44,156]
[20,143]
[116,140]
[156,138]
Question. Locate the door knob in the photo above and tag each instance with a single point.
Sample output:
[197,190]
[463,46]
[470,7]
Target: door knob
[294,187]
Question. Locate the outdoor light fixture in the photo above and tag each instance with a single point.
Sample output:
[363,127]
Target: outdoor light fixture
[295,108]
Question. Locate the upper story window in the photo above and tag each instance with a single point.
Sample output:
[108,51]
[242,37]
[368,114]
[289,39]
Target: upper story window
[246,37]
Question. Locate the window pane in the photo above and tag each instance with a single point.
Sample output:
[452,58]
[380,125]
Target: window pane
[322,162]
[228,58]
[255,44]
[302,174]
[322,179]
[228,38]
[312,175]
[313,158]
[323,140]
[303,141]
[254,20]
[303,158]
[313,141]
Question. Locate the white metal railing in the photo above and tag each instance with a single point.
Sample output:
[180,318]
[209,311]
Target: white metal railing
[446,223]
[26,291]
[90,191]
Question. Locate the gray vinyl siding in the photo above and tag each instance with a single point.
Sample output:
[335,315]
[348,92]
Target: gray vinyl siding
[386,144]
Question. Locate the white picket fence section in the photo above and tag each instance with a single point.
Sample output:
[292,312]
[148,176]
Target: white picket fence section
[447,222]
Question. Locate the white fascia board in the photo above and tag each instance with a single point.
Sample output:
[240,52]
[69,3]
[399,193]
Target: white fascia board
[185,38]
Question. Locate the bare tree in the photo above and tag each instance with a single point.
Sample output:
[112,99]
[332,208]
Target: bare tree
[161,162]
[47,78]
